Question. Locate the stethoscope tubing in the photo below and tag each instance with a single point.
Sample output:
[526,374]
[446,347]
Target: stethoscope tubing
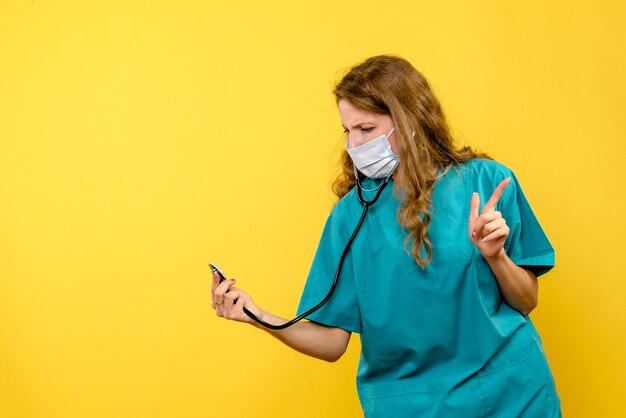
[366,204]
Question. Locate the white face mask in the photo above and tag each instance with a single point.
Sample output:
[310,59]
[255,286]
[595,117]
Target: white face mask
[375,159]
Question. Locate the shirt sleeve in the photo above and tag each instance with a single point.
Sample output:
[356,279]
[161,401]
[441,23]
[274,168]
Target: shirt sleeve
[527,245]
[342,309]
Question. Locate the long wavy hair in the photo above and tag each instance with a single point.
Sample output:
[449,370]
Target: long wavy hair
[390,85]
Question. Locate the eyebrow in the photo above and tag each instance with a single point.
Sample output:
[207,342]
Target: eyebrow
[359,125]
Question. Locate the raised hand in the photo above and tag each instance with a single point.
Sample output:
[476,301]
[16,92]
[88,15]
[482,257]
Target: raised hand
[488,231]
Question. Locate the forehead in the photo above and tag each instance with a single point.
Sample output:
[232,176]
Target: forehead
[351,115]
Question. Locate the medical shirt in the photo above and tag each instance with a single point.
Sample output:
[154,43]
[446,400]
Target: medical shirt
[438,341]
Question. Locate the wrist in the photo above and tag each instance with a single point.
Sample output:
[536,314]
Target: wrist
[499,256]
[259,314]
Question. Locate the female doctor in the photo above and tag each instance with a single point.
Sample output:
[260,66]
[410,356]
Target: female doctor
[437,283]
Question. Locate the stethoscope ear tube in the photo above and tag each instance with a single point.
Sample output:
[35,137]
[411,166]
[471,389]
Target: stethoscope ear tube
[366,204]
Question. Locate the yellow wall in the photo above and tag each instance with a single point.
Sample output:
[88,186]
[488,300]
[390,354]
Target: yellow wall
[140,140]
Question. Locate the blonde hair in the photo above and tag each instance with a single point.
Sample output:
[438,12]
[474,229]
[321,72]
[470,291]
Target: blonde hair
[392,86]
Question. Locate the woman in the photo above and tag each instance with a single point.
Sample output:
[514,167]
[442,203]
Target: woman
[438,287]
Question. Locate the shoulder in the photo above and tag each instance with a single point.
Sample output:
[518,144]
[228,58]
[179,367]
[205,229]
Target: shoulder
[479,173]
[340,209]
[483,176]
[338,222]
[486,168]
[345,200]
[347,203]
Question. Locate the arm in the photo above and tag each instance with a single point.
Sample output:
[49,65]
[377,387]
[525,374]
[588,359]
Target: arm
[488,232]
[315,340]
[519,287]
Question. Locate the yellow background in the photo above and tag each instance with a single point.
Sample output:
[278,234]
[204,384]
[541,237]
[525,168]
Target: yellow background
[140,140]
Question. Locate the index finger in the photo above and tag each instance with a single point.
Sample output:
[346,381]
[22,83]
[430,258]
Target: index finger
[497,194]
[215,281]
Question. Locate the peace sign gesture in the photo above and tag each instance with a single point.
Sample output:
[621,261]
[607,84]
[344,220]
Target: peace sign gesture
[488,231]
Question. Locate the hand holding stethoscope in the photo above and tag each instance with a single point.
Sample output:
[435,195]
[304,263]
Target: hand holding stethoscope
[229,301]
[232,303]
[488,230]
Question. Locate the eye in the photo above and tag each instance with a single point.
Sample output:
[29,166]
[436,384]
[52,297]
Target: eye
[366,129]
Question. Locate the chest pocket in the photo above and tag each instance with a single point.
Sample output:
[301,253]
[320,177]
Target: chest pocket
[448,229]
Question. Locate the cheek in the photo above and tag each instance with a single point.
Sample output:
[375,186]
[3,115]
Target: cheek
[394,146]
[356,140]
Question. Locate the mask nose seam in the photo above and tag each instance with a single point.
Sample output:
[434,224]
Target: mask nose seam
[386,136]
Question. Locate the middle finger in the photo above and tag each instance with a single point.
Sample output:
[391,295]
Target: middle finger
[222,289]
[483,219]
[493,225]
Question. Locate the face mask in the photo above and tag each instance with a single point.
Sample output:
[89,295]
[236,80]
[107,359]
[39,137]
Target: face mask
[374,159]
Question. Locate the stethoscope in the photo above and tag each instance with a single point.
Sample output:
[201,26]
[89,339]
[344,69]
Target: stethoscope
[366,205]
